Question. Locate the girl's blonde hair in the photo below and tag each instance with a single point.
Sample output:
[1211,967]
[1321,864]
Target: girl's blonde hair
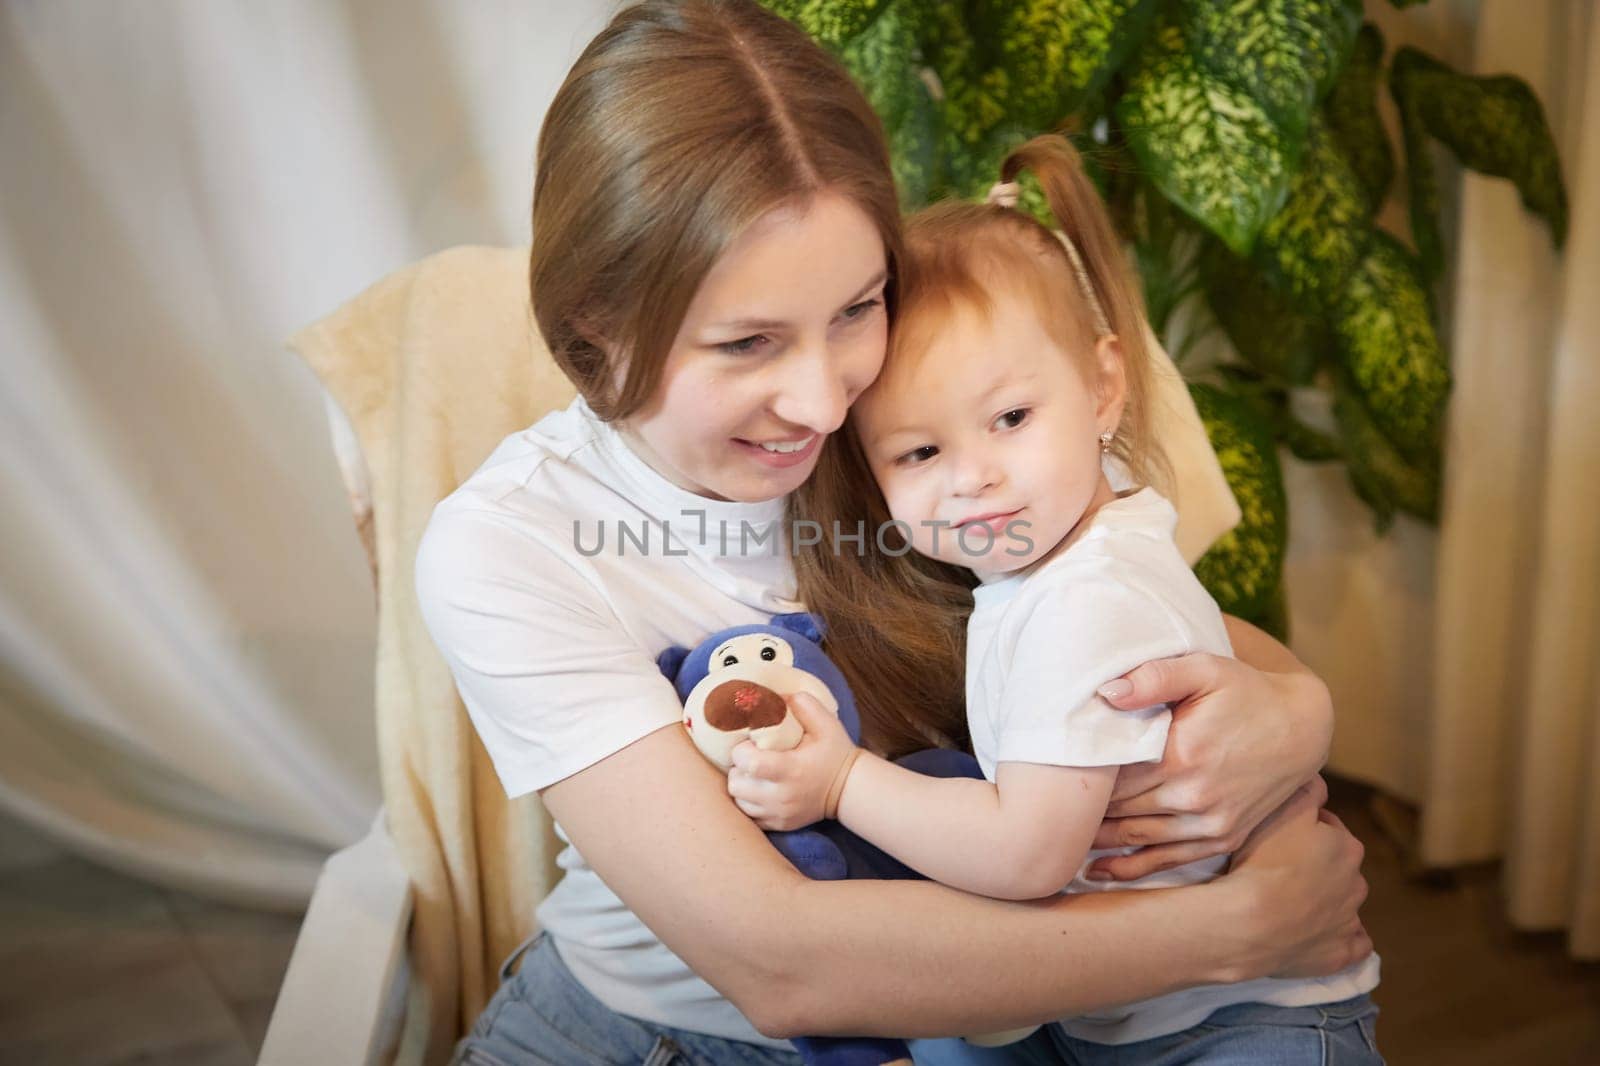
[680,124]
[897,622]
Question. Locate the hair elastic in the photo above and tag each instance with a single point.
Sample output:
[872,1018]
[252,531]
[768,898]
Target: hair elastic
[1005,194]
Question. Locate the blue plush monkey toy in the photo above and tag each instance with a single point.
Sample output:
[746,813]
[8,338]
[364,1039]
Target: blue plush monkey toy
[733,686]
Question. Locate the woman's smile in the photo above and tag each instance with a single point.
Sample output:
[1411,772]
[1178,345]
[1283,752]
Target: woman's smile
[781,454]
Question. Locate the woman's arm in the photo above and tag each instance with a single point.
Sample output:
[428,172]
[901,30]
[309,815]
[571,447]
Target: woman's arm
[1245,734]
[901,958]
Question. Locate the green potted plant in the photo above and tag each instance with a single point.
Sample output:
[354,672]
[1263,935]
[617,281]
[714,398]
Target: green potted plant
[1239,146]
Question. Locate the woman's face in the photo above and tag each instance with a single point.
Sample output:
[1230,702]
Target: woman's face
[785,332]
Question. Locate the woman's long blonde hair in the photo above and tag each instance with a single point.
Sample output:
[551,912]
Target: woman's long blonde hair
[681,123]
[897,622]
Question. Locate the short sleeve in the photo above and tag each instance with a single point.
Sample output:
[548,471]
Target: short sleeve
[552,680]
[1080,634]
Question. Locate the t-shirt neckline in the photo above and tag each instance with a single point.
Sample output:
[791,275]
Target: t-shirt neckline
[669,501]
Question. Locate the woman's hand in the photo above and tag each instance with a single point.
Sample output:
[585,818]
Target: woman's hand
[1300,875]
[789,789]
[1242,740]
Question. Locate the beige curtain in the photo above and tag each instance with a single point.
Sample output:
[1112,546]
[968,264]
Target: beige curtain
[1513,743]
[1461,657]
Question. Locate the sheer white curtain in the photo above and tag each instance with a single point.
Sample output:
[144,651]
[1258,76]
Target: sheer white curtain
[186,617]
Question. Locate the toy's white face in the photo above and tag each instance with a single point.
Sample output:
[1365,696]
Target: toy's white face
[752,648]
[742,697]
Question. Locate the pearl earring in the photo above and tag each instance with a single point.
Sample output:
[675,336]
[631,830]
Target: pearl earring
[1105,441]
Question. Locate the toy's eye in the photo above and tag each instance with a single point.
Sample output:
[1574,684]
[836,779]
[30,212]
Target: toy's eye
[729,660]
[769,654]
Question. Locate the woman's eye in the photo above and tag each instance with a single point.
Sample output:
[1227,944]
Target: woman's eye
[855,311]
[918,455]
[729,660]
[769,654]
[742,346]
[1013,419]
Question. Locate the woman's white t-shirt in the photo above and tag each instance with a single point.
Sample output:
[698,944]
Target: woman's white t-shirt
[550,581]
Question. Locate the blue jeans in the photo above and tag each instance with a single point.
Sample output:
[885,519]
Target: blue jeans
[1245,1034]
[541,1015]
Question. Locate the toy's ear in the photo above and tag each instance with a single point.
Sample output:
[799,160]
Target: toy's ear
[805,623]
[671,661]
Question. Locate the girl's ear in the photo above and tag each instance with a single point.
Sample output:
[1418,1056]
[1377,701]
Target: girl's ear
[1113,382]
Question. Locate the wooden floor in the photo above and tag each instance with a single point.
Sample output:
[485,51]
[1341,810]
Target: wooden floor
[98,969]
[1460,987]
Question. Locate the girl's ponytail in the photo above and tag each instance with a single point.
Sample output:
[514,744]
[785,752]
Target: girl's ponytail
[1110,291]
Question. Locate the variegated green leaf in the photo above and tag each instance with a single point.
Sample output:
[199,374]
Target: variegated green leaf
[1381,476]
[1267,330]
[1269,397]
[996,90]
[829,22]
[1274,618]
[887,62]
[972,107]
[1045,57]
[1310,247]
[1209,147]
[1285,54]
[1494,125]
[1165,248]
[1243,570]
[968,169]
[1307,444]
[1351,111]
[1387,343]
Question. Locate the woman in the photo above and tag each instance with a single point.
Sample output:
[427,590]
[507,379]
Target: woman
[715,230]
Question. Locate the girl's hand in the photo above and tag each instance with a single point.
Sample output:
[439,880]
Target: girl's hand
[789,789]
[1242,740]
[1300,873]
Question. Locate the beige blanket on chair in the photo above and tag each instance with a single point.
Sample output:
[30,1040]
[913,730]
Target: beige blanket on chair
[433,366]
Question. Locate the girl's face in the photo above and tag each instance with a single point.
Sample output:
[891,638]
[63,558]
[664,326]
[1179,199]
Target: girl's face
[785,332]
[987,444]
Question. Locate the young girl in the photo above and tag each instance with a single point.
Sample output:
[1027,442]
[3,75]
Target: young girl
[1010,412]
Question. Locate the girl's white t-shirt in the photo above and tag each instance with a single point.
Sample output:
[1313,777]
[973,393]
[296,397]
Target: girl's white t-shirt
[1039,645]
[550,581]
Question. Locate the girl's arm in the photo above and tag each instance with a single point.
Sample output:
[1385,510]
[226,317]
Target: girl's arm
[1245,733]
[1022,837]
[1019,837]
[901,958]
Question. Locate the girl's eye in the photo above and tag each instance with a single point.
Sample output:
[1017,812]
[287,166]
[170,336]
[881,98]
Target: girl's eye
[855,311]
[1014,418]
[742,346]
[918,455]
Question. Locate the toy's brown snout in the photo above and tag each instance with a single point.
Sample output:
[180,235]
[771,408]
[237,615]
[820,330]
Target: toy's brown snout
[743,705]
